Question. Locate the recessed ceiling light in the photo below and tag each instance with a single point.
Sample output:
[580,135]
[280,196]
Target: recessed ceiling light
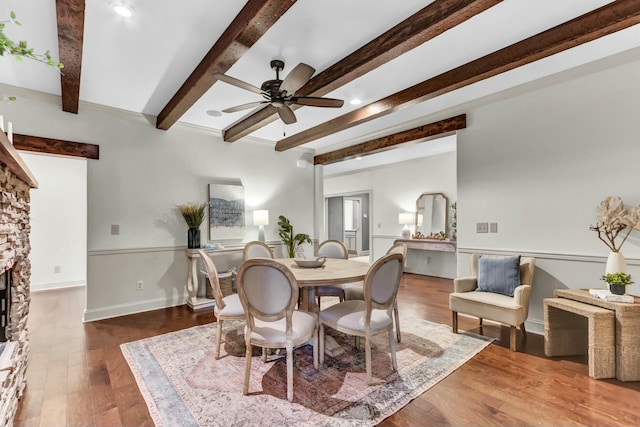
[356,101]
[214,113]
[123,9]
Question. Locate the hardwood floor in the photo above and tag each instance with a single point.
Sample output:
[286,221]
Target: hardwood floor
[78,377]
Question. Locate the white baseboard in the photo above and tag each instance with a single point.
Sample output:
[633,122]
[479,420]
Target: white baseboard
[56,285]
[133,308]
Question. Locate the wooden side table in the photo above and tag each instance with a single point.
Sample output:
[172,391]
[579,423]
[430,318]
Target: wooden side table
[627,330]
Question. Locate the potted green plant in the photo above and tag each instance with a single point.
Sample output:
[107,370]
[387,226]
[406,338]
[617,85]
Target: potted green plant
[617,282]
[291,241]
[193,214]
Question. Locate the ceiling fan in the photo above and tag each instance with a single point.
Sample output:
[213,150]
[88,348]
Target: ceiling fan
[281,93]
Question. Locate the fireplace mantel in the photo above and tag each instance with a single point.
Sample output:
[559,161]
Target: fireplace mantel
[10,157]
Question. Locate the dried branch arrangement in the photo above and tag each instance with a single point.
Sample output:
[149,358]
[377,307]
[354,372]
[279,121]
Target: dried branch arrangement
[613,219]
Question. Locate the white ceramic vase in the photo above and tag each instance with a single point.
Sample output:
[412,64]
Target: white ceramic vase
[616,263]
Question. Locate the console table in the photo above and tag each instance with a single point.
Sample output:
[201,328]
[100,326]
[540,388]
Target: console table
[429,244]
[627,330]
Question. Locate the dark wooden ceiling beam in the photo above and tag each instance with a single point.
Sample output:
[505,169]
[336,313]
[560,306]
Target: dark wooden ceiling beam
[424,25]
[39,144]
[255,18]
[70,17]
[418,134]
[608,19]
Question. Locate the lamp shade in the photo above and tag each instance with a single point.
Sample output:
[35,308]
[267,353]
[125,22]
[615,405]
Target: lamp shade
[405,218]
[261,217]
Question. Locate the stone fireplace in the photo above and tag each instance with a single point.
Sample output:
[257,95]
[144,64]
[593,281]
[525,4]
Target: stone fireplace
[15,268]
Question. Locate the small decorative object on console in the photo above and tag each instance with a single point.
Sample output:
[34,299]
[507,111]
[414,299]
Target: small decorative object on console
[432,236]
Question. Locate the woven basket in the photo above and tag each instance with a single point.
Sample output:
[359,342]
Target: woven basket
[226,284]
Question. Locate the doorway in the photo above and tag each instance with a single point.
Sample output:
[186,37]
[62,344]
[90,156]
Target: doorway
[348,221]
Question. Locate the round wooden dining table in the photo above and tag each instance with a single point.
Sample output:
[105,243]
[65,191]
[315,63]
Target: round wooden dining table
[333,272]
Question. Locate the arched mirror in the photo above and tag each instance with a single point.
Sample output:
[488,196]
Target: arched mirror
[432,215]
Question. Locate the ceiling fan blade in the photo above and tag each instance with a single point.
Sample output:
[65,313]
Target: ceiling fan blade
[286,114]
[315,101]
[297,78]
[243,106]
[239,83]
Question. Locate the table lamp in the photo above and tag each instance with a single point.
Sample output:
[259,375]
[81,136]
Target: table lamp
[261,218]
[405,218]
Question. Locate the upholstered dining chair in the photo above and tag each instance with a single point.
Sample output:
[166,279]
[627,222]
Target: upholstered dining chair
[356,291]
[226,308]
[371,316]
[256,249]
[331,249]
[498,289]
[269,292]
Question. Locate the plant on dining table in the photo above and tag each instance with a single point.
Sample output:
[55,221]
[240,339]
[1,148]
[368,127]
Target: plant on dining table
[613,219]
[291,241]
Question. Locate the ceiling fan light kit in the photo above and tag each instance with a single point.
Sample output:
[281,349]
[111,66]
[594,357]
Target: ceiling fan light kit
[279,93]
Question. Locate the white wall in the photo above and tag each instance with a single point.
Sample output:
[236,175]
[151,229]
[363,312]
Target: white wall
[142,174]
[538,164]
[58,221]
[394,189]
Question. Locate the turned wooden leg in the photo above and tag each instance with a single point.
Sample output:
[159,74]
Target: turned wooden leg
[216,354]
[480,322]
[512,338]
[454,321]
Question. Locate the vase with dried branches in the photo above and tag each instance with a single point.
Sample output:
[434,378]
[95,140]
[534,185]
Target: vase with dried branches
[615,224]
[193,214]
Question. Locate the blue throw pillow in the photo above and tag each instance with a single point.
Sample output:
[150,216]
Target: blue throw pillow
[499,275]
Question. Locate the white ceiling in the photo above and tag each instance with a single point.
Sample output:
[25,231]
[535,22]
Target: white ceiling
[137,64]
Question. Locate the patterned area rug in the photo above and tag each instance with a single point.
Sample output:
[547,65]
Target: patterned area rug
[184,385]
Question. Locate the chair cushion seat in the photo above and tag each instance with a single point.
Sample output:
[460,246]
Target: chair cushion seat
[232,307]
[348,316]
[488,305]
[274,333]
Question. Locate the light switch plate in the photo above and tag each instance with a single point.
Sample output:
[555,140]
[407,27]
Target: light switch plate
[115,229]
[482,227]
[493,227]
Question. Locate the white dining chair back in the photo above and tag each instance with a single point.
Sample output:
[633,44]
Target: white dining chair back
[371,316]
[269,292]
[332,249]
[256,249]
[355,292]
[398,248]
[226,307]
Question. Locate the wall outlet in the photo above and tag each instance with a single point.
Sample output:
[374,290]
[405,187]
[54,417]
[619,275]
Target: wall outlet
[115,229]
[56,269]
[428,260]
[493,227]
[139,285]
[482,227]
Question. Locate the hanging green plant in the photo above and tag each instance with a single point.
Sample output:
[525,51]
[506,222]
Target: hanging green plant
[21,49]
